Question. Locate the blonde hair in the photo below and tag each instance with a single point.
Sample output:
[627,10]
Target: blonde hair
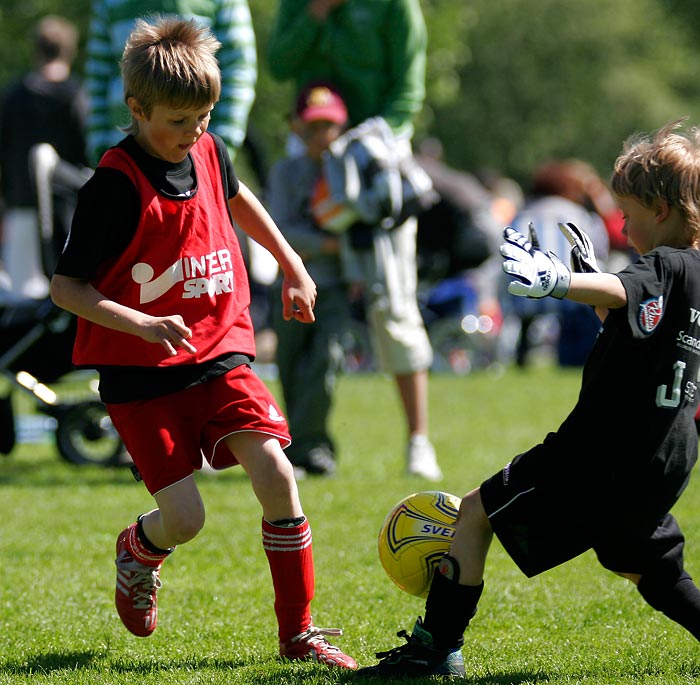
[663,165]
[170,61]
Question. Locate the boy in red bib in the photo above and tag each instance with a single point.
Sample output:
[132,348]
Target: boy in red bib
[161,292]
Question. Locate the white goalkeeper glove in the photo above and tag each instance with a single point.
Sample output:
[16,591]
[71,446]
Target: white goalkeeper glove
[583,259]
[537,273]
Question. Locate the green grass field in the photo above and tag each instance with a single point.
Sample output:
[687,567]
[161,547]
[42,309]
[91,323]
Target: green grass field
[575,624]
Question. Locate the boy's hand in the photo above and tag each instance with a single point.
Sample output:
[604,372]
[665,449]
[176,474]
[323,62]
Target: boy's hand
[299,298]
[169,331]
[583,259]
[538,273]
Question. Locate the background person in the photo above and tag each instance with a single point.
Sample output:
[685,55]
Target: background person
[47,105]
[310,357]
[559,193]
[111,22]
[375,54]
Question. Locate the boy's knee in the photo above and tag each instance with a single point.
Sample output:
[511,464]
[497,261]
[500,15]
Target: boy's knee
[280,469]
[183,528]
[185,531]
[471,512]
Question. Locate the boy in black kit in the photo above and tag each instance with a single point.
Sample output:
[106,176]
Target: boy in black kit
[580,489]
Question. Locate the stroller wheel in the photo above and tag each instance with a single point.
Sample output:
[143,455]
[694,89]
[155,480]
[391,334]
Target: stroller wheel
[85,435]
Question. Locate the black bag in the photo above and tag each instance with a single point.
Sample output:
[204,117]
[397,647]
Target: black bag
[449,240]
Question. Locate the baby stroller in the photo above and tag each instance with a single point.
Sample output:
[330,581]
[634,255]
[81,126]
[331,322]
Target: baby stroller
[464,338]
[37,338]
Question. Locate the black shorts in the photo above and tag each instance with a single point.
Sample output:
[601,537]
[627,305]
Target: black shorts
[543,517]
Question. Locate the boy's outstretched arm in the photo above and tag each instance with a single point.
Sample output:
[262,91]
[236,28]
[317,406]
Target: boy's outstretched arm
[82,299]
[598,289]
[540,274]
[298,288]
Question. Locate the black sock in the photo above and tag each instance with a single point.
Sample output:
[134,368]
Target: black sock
[680,601]
[450,606]
[288,523]
[146,542]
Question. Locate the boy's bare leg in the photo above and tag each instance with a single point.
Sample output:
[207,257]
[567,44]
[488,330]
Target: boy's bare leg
[143,546]
[473,535]
[271,474]
[179,516]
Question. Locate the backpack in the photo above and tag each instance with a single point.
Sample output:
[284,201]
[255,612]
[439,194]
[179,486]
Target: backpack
[375,174]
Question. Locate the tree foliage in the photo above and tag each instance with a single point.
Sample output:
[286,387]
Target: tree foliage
[565,79]
[510,82]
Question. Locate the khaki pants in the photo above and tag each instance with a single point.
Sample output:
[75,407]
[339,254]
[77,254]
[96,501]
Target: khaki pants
[389,273]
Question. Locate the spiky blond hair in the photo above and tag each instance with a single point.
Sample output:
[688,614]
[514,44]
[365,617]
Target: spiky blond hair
[170,61]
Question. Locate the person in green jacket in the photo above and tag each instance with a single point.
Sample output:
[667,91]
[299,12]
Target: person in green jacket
[375,54]
[111,23]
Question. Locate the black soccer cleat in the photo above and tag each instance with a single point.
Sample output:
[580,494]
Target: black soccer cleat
[418,657]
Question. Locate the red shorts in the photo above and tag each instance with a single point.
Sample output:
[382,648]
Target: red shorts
[168,436]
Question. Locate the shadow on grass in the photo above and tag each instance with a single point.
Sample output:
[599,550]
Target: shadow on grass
[511,678]
[89,660]
[256,674]
[51,661]
[186,665]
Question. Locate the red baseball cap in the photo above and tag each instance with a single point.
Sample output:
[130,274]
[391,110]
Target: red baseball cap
[321,102]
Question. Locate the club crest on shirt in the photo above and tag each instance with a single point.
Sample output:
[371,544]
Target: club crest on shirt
[650,313]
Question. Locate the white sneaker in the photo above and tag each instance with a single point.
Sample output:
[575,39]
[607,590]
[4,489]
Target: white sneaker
[420,458]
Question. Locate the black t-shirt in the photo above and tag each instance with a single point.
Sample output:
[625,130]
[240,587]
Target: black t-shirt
[33,111]
[631,442]
[104,223]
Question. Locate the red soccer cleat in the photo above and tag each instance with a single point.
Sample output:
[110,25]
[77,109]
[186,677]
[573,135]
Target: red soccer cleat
[313,646]
[137,585]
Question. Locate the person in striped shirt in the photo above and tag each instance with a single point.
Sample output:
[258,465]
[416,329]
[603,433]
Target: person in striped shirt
[111,23]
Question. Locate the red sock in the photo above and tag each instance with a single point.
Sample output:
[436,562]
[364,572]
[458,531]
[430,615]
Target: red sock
[291,562]
[138,550]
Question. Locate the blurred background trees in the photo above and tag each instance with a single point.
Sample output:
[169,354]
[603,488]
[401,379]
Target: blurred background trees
[510,82]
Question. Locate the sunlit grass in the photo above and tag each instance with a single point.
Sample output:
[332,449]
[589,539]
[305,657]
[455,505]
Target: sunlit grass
[575,624]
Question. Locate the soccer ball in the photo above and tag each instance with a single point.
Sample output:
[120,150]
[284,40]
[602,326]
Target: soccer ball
[415,535]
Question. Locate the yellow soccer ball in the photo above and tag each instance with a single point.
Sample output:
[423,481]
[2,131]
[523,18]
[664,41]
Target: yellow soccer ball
[414,537]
